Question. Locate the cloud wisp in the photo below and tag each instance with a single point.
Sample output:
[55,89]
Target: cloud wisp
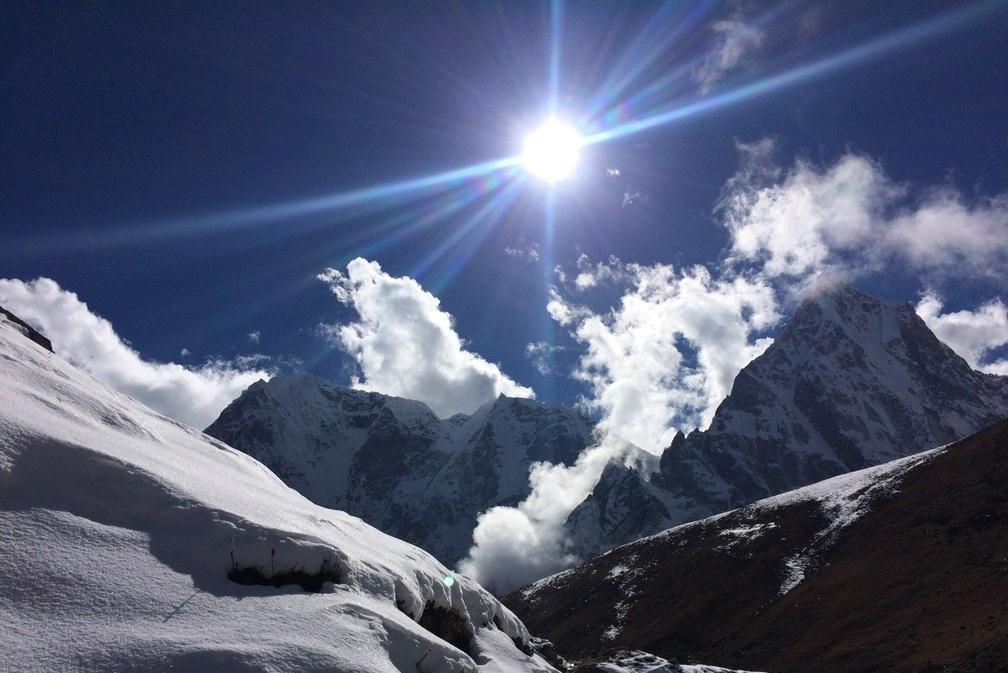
[194,395]
[528,251]
[734,41]
[406,345]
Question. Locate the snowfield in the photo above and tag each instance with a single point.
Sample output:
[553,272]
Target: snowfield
[120,527]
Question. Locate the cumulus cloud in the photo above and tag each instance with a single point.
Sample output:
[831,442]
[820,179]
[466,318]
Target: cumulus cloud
[253,337]
[191,395]
[975,335]
[733,41]
[660,360]
[666,355]
[851,218]
[406,345]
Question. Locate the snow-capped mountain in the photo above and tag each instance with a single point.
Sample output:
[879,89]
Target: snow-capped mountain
[899,567]
[850,381]
[134,543]
[391,461]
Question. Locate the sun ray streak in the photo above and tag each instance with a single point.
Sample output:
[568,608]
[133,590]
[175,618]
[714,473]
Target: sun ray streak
[644,50]
[681,75]
[416,186]
[547,327]
[376,198]
[872,49]
[413,221]
[488,214]
[556,41]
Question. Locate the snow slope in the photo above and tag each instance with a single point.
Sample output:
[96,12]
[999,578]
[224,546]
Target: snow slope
[120,527]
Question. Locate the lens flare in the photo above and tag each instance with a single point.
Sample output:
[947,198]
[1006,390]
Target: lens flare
[552,150]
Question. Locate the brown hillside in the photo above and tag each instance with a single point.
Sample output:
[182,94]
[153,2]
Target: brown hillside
[919,583]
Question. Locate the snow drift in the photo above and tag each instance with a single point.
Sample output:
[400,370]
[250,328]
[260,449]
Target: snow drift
[121,528]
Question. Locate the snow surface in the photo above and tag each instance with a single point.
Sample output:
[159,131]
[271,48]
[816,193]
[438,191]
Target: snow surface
[745,533]
[635,661]
[119,526]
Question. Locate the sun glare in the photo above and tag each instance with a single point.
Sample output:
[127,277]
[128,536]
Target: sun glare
[552,150]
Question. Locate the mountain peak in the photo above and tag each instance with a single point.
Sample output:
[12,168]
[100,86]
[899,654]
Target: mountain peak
[849,382]
[836,312]
[840,300]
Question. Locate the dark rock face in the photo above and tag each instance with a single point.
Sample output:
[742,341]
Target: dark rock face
[850,381]
[392,462]
[27,329]
[899,568]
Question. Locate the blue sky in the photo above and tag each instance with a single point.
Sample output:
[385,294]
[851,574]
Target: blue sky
[147,146]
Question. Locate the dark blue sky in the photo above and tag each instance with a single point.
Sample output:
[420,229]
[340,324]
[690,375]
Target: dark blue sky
[123,124]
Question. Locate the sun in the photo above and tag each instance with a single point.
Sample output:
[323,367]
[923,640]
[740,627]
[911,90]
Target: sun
[552,150]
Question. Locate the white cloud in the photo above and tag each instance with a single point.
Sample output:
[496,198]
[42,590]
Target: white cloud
[184,353]
[665,355]
[975,335]
[541,354]
[192,395]
[850,218]
[734,40]
[253,337]
[515,545]
[947,234]
[406,345]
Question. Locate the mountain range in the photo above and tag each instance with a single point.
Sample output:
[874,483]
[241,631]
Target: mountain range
[850,381]
[133,542]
